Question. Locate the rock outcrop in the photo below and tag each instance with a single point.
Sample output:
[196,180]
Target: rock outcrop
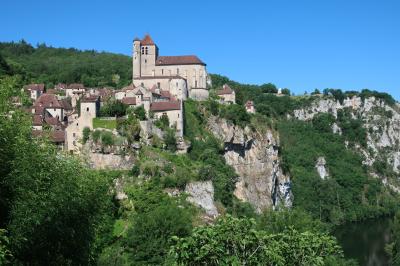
[201,194]
[381,121]
[321,168]
[254,156]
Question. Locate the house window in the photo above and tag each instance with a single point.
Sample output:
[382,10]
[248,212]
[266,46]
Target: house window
[162,71]
[178,115]
[145,60]
[195,84]
[73,134]
[54,109]
[87,109]
[177,84]
[76,124]
[158,84]
[142,84]
[177,71]
[74,143]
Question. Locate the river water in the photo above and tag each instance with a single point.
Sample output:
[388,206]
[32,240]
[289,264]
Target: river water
[365,241]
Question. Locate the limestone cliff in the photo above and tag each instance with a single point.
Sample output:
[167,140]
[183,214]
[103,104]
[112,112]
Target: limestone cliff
[254,156]
[382,124]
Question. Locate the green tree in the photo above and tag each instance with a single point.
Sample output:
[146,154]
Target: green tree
[85,134]
[395,247]
[170,139]
[286,91]
[107,138]
[5,253]
[158,218]
[269,88]
[140,113]
[232,241]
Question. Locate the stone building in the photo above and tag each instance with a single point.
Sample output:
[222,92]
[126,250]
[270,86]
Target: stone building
[34,90]
[226,95]
[89,108]
[184,76]
[172,109]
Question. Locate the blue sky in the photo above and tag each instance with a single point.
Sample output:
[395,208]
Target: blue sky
[301,45]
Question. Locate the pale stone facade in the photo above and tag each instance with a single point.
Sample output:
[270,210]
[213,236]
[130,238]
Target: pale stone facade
[185,75]
[89,109]
[226,95]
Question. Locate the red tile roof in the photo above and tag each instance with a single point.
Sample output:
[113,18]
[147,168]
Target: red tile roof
[179,60]
[165,94]
[51,91]
[161,77]
[35,87]
[165,106]
[129,100]
[129,87]
[37,120]
[60,86]
[76,86]
[225,90]
[147,40]
[55,136]
[47,101]
[53,121]
[90,99]
[65,104]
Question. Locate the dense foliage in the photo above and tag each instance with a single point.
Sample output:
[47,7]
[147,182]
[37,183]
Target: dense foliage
[52,206]
[49,65]
[349,193]
[232,241]
[394,248]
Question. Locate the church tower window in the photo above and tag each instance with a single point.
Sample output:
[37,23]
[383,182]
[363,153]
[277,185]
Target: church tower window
[146,50]
[142,50]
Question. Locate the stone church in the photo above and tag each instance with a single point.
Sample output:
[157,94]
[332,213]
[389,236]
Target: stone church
[183,76]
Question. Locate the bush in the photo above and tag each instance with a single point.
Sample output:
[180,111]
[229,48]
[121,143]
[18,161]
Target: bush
[268,88]
[135,171]
[140,113]
[113,108]
[163,122]
[206,172]
[232,241]
[96,134]
[107,138]
[323,122]
[236,114]
[85,134]
[170,140]
[158,218]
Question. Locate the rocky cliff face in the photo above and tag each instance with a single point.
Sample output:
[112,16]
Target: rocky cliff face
[254,156]
[381,121]
[201,194]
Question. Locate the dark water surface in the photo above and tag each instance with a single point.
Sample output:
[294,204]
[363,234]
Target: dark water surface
[365,241]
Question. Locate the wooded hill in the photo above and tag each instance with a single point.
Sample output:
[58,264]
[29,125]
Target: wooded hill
[49,65]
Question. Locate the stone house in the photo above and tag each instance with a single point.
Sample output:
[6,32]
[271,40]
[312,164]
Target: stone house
[226,95]
[89,108]
[173,109]
[74,88]
[35,90]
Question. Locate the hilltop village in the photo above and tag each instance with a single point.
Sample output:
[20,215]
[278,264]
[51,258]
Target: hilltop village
[160,85]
